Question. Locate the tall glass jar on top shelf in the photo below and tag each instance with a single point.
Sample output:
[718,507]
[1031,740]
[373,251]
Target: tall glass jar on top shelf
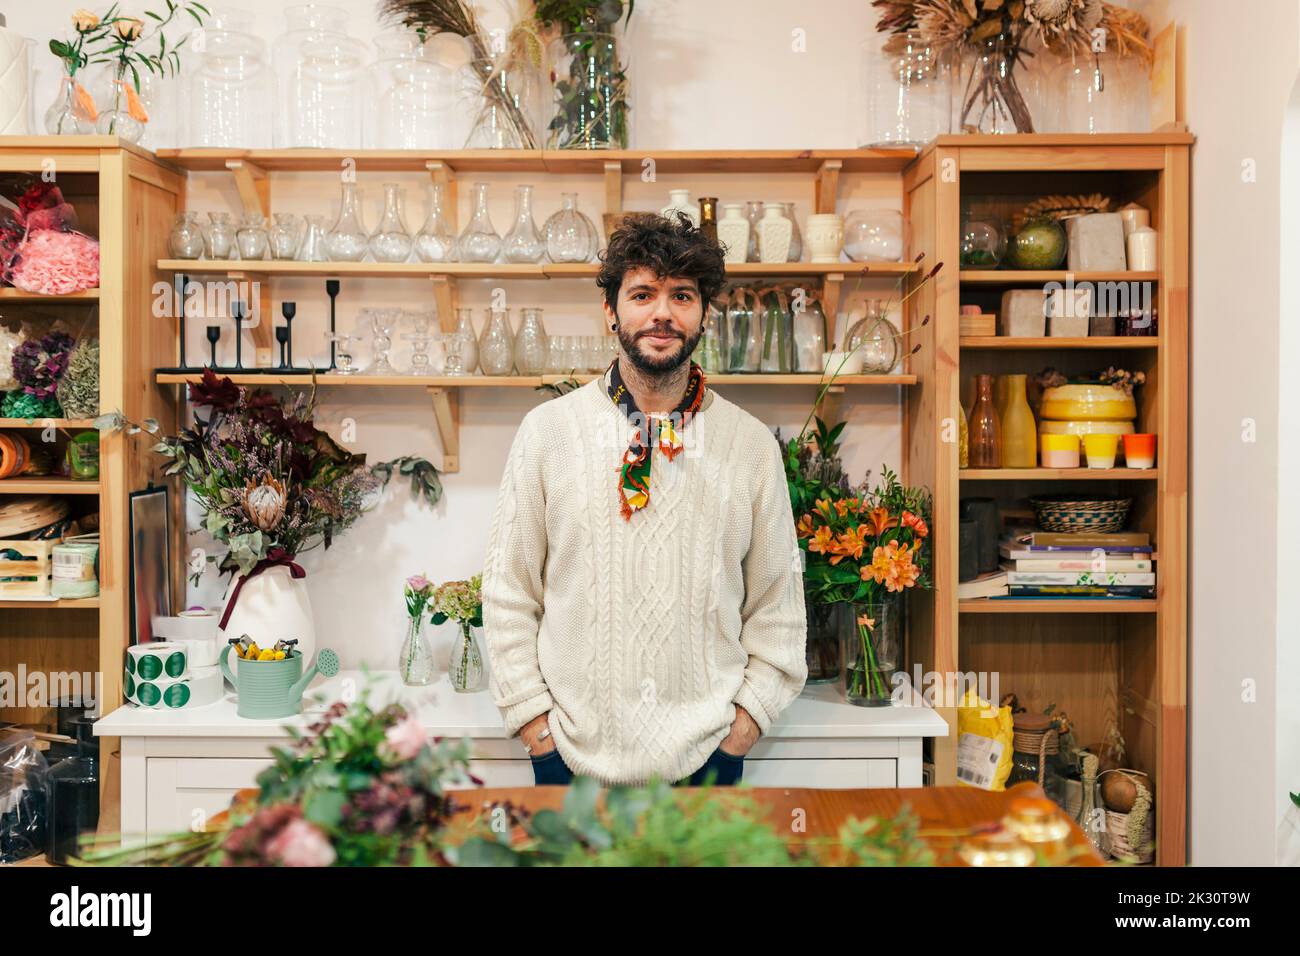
[909,92]
[994,86]
[589,93]
[503,94]
[232,86]
[327,93]
[415,95]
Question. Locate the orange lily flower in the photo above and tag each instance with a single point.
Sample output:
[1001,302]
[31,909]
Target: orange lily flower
[823,542]
[852,542]
[916,523]
[892,566]
[804,528]
[879,521]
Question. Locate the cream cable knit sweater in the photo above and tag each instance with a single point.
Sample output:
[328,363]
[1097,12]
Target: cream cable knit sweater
[639,636]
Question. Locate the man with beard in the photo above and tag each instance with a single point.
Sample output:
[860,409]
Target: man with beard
[642,595]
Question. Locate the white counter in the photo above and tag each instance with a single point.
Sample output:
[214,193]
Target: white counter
[179,766]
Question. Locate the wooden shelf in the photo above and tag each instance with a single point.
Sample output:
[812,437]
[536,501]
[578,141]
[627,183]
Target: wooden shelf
[47,423]
[18,295]
[514,381]
[1011,343]
[492,270]
[1059,474]
[548,161]
[59,605]
[47,486]
[1058,606]
[1014,277]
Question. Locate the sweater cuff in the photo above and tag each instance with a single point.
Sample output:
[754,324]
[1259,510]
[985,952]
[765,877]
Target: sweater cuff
[516,715]
[746,698]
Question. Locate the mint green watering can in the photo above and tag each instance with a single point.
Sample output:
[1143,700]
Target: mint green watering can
[270,689]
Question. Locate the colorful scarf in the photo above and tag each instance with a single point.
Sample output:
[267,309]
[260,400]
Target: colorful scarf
[634,472]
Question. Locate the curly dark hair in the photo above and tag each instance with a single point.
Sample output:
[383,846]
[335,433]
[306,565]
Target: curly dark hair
[673,248]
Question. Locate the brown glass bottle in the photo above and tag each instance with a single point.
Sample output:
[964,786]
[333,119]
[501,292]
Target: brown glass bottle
[985,434]
[709,217]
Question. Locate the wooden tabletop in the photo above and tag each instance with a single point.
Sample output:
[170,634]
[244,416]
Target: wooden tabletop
[947,814]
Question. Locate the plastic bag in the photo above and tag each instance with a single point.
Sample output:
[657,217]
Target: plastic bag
[983,743]
[51,257]
[23,772]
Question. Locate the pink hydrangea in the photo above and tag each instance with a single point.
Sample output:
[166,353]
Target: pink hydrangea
[300,843]
[405,738]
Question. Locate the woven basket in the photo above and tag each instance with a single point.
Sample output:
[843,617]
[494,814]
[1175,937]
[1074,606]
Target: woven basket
[1117,825]
[1070,515]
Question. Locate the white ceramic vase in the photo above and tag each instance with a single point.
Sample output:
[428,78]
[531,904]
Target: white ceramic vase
[774,233]
[272,606]
[733,232]
[825,237]
[679,200]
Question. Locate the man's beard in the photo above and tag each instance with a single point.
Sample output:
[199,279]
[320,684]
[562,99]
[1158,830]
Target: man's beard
[651,365]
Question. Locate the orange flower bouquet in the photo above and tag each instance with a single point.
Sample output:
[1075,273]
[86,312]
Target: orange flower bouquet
[864,549]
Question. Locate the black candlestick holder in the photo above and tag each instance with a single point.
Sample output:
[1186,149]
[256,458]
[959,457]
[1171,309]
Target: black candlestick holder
[238,314]
[214,336]
[288,310]
[282,336]
[332,290]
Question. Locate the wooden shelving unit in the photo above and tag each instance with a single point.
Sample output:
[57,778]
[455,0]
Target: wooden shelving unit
[1119,662]
[128,199]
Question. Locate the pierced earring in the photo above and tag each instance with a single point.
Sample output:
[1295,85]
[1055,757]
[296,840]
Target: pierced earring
[614,327]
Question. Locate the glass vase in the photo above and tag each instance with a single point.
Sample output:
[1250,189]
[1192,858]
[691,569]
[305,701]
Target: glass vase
[415,663]
[251,238]
[123,109]
[744,341]
[825,635]
[875,339]
[777,347]
[1019,431]
[711,349]
[219,237]
[186,239]
[874,235]
[436,242]
[504,95]
[872,644]
[313,247]
[479,241]
[990,99]
[570,235]
[909,92]
[589,102]
[466,666]
[496,347]
[285,234]
[531,343]
[232,86]
[348,239]
[985,433]
[73,110]
[462,346]
[523,243]
[390,241]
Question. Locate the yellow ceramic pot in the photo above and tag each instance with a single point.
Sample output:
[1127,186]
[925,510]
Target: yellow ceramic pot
[1090,402]
[1085,428]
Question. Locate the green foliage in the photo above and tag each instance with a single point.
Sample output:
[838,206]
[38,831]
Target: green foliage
[572,16]
[877,841]
[814,471]
[425,482]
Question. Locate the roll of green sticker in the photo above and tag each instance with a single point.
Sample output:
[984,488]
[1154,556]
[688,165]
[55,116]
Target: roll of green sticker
[176,664]
[130,664]
[148,694]
[178,695]
[149,666]
[129,684]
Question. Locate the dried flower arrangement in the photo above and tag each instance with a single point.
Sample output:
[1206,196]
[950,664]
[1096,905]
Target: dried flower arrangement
[38,364]
[78,389]
[1119,378]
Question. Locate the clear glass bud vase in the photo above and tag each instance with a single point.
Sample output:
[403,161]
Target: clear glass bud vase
[390,241]
[480,241]
[496,348]
[436,242]
[348,239]
[570,235]
[466,666]
[416,661]
[531,343]
[523,243]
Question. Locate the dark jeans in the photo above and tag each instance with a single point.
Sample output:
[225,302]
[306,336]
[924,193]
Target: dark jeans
[725,769]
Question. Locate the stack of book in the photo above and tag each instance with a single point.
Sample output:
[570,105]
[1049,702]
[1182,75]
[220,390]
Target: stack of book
[1042,564]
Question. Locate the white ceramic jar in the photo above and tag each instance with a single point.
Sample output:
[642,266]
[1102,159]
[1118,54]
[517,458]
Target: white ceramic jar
[774,234]
[825,237]
[733,232]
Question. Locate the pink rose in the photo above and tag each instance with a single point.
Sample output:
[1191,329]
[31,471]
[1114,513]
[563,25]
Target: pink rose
[405,738]
[300,844]
[417,582]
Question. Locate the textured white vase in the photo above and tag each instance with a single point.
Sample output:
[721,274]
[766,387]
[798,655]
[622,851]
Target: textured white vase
[733,232]
[272,606]
[774,234]
[679,200]
[15,83]
[825,237]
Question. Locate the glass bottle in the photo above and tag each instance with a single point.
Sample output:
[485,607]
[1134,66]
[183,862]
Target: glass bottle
[390,241]
[1019,431]
[479,242]
[285,235]
[570,236]
[313,246]
[186,240]
[963,446]
[462,351]
[523,243]
[348,239]
[251,237]
[753,212]
[220,235]
[708,217]
[985,441]
[796,240]
[496,347]
[875,339]
[415,663]
[436,242]
[466,666]
[531,343]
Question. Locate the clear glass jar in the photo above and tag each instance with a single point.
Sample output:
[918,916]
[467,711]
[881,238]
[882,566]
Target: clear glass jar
[415,663]
[1035,755]
[570,236]
[313,247]
[531,343]
[708,354]
[479,241]
[872,645]
[589,93]
[186,239]
[994,85]
[810,338]
[496,347]
[503,93]
[983,244]
[743,331]
[435,241]
[348,238]
[823,648]
[875,338]
[251,238]
[219,237]
[875,235]
[523,243]
[232,86]
[1102,93]
[462,346]
[390,241]
[776,351]
[325,89]
[909,91]
[415,95]
[285,235]
[466,665]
